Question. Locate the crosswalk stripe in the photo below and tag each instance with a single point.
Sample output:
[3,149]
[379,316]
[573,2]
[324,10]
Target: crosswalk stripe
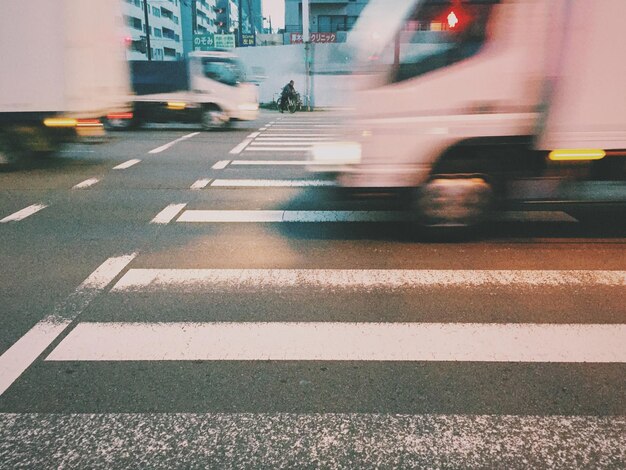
[289,143]
[22,214]
[15,360]
[255,148]
[292,139]
[282,134]
[256,183]
[276,162]
[221,165]
[364,279]
[260,216]
[294,440]
[326,341]
[294,129]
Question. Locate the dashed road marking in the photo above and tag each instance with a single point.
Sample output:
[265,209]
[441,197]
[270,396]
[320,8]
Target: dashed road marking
[86,184]
[237,150]
[128,164]
[221,164]
[201,184]
[174,142]
[167,214]
[22,214]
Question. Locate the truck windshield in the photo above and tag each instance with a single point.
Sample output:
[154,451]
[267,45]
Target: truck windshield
[223,70]
[437,34]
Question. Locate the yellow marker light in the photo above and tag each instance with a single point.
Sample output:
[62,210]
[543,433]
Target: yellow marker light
[177,105]
[60,122]
[576,155]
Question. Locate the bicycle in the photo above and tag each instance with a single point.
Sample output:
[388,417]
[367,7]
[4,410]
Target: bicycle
[293,104]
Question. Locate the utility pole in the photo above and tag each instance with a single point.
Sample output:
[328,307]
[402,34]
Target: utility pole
[145,12]
[240,28]
[306,39]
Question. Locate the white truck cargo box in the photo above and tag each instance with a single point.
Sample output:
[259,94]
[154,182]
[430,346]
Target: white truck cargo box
[64,56]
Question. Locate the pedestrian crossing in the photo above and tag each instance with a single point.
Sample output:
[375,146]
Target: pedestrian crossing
[394,392]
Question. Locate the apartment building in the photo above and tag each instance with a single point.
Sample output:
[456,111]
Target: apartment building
[163,26]
[325,16]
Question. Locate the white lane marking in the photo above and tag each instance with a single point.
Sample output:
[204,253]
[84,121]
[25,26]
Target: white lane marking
[167,214]
[86,184]
[365,279]
[29,347]
[128,164]
[221,165]
[252,183]
[296,124]
[237,150]
[244,216]
[276,162]
[174,142]
[22,214]
[254,135]
[201,184]
[535,216]
[263,128]
[330,341]
[276,149]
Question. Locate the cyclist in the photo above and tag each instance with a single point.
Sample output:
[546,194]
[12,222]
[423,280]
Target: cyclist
[289,91]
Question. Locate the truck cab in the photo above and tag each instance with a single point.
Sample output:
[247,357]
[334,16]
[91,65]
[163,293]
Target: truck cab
[480,103]
[208,87]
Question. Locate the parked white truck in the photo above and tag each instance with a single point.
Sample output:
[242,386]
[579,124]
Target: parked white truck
[480,104]
[207,87]
[63,69]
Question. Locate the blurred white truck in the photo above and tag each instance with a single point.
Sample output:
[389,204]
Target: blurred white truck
[210,88]
[479,104]
[63,69]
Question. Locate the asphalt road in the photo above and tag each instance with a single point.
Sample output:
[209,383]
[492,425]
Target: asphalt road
[190,309]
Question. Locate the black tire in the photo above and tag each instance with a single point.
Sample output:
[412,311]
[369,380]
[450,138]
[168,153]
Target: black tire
[292,106]
[213,118]
[452,205]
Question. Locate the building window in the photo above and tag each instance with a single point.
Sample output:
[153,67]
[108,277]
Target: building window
[156,12]
[134,23]
[157,33]
[169,52]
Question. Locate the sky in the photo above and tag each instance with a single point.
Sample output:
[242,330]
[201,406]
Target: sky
[275,9]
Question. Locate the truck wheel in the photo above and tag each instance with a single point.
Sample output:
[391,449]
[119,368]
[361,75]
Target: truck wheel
[214,118]
[452,203]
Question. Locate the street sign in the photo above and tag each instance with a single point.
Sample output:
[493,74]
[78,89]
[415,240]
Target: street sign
[224,41]
[203,42]
[248,40]
[296,38]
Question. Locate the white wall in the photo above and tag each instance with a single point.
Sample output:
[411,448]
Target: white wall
[279,64]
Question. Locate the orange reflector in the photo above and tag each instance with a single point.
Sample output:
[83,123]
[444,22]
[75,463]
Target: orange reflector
[120,116]
[176,105]
[88,123]
[577,154]
[60,122]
